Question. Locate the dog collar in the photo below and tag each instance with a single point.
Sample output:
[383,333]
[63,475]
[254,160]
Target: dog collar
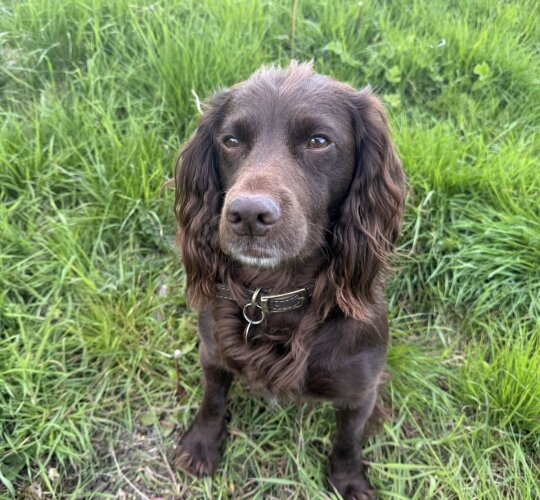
[258,305]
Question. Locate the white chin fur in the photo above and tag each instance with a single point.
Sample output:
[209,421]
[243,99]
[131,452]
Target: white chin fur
[260,262]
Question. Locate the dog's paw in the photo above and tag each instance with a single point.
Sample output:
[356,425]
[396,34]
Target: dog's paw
[352,486]
[197,454]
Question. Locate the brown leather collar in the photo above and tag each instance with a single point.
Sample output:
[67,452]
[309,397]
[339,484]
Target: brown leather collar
[281,302]
[257,305]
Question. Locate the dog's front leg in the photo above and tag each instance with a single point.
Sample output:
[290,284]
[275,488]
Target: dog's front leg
[199,450]
[346,470]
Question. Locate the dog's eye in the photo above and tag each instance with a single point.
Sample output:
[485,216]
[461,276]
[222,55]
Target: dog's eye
[231,142]
[318,142]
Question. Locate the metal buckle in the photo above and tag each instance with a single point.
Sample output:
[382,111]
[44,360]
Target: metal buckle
[281,296]
[254,306]
[262,306]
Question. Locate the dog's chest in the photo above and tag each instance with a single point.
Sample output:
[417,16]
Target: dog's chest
[272,357]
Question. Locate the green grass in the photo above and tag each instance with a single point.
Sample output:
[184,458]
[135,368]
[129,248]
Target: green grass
[95,99]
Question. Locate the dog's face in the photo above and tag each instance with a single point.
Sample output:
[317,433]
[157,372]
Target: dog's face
[290,167]
[286,160]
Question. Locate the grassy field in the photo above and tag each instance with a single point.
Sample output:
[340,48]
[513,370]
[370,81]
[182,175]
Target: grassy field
[96,97]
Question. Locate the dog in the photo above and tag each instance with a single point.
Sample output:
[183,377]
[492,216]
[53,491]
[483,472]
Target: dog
[289,199]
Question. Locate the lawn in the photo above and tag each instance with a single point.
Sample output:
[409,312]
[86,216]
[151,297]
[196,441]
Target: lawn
[97,96]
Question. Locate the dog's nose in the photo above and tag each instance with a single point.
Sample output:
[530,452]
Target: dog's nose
[252,214]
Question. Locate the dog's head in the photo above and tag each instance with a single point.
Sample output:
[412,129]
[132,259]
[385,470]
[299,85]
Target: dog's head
[283,168]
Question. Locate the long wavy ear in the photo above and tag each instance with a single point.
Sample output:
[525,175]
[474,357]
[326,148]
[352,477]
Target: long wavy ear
[371,215]
[198,202]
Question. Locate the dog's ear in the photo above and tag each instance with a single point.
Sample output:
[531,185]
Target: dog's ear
[371,214]
[198,202]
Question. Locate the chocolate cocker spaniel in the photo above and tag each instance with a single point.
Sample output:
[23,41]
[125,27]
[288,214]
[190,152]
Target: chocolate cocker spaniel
[289,198]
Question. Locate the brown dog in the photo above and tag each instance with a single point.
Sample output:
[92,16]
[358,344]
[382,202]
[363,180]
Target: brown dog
[289,199]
